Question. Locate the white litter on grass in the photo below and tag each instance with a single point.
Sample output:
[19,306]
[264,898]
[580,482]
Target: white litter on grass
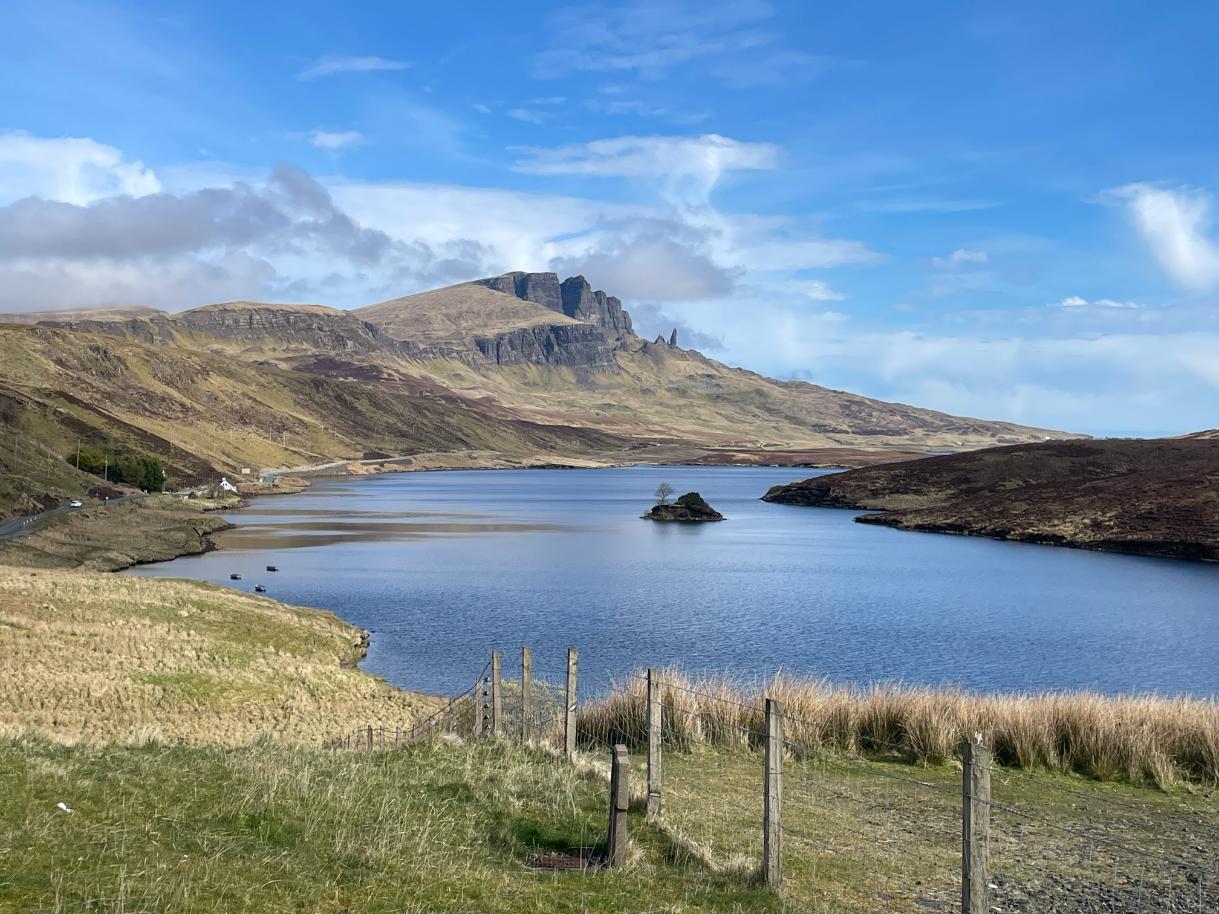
[64,807]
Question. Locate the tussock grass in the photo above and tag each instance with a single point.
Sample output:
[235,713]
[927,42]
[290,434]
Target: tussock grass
[1138,738]
[97,659]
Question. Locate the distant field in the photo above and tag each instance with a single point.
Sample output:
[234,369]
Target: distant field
[100,659]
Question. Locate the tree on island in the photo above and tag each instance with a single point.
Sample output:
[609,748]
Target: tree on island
[693,500]
[664,492]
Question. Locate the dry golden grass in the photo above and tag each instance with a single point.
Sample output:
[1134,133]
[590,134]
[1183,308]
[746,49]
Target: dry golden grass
[98,659]
[1139,738]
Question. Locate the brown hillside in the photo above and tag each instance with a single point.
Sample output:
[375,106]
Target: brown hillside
[1152,497]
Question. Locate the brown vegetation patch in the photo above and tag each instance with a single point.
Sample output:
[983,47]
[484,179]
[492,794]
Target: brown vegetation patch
[91,658]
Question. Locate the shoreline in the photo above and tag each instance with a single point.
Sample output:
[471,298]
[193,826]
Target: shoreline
[1135,548]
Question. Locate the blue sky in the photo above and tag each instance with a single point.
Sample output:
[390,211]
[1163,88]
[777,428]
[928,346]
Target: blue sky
[1004,212]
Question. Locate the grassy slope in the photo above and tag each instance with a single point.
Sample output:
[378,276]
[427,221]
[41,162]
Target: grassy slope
[436,828]
[98,658]
[665,394]
[1157,497]
[152,529]
[205,413]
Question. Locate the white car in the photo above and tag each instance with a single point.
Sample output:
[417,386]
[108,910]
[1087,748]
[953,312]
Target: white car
[76,503]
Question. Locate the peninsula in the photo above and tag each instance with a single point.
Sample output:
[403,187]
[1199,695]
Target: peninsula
[1147,497]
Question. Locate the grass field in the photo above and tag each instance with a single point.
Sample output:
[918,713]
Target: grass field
[865,835]
[96,658]
[188,729]
[438,827]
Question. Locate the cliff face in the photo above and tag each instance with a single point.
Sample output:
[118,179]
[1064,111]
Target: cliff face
[578,346]
[248,325]
[573,297]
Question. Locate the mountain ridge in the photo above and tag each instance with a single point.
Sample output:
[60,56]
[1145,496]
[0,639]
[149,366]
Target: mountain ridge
[466,367]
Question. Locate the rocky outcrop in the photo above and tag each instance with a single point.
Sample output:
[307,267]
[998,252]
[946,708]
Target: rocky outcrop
[577,346]
[573,297]
[257,326]
[596,308]
[684,511]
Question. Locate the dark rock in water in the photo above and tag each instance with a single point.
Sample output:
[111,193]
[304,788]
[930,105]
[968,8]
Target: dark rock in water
[234,577]
[272,568]
[258,588]
[688,509]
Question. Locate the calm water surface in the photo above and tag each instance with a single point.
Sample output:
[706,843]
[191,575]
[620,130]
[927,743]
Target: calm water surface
[446,566]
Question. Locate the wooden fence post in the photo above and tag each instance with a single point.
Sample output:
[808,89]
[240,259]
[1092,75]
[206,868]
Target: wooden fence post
[975,829]
[569,717]
[772,814]
[619,804]
[398,736]
[655,734]
[370,738]
[526,694]
[381,736]
[497,700]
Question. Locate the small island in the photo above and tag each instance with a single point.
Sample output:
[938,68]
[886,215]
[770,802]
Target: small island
[690,508]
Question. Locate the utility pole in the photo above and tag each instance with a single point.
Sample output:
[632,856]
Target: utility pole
[78,455]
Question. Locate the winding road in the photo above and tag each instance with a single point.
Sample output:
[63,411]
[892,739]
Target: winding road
[20,526]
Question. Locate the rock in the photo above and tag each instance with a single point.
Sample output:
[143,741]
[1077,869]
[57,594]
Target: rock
[578,346]
[688,509]
[540,288]
[573,297]
[597,308]
[673,338]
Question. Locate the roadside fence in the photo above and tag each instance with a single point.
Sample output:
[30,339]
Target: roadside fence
[744,788]
[751,791]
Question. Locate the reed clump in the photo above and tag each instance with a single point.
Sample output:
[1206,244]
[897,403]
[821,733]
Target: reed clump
[1136,738]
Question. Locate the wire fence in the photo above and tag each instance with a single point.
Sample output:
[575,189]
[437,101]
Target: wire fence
[875,833]
[837,831]
[527,704]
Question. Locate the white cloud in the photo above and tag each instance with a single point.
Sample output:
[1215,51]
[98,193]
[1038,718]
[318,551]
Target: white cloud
[1076,301]
[816,289]
[526,115]
[708,155]
[652,260]
[650,38]
[335,140]
[685,169]
[959,259]
[1176,224]
[334,64]
[69,169]
[283,236]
